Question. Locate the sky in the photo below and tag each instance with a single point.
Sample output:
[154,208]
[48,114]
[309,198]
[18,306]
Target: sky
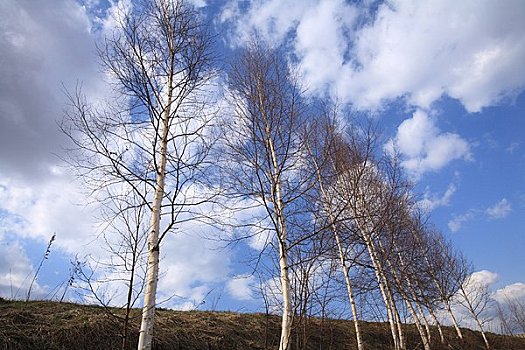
[444,79]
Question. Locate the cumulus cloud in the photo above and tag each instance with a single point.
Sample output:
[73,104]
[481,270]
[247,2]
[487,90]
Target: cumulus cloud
[16,272]
[509,292]
[271,20]
[483,278]
[469,50]
[432,201]
[240,287]
[322,52]
[418,50]
[500,310]
[55,206]
[424,147]
[499,210]
[191,267]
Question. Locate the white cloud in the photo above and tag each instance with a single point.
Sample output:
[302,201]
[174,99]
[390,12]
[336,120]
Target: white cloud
[509,292]
[469,50]
[499,210]
[513,147]
[37,212]
[418,50]
[483,278]
[16,272]
[271,20]
[191,266]
[114,16]
[44,44]
[423,147]
[240,287]
[432,201]
[457,222]
[321,52]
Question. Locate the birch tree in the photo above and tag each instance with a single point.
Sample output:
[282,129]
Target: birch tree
[264,151]
[475,297]
[323,156]
[362,187]
[151,138]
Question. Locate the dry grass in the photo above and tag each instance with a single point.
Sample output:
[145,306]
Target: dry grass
[50,325]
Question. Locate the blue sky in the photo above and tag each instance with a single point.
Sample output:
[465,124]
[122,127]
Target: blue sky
[444,79]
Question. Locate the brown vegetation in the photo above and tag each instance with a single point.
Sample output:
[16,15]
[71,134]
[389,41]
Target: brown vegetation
[50,325]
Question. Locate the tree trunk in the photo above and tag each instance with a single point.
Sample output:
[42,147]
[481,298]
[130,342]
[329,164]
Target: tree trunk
[360,344]
[381,281]
[397,336]
[286,322]
[152,274]
[438,324]
[345,269]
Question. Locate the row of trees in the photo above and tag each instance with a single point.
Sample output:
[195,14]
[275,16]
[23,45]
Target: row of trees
[159,150]
[329,197]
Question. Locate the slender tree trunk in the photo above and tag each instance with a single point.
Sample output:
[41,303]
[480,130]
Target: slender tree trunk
[152,274]
[286,322]
[453,318]
[346,273]
[425,338]
[401,335]
[128,300]
[487,346]
[380,281]
[417,321]
[345,269]
[438,324]
[424,333]
[397,334]
[472,311]
[425,321]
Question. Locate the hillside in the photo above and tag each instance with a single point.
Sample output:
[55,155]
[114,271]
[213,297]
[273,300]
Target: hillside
[50,325]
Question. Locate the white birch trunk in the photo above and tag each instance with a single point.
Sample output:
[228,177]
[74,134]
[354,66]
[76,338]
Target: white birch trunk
[382,288]
[286,322]
[360,344]
[425,320]
[424,337]
[472,311]
[402,341]
[424,333]
[380,277]
[152,274]
[342,259]
[453,318]
[438,324]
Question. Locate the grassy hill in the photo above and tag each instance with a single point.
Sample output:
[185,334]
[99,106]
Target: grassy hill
[50,325]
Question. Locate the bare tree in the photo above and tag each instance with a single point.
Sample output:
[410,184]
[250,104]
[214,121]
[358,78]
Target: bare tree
[444,272]
[361,185]
[322,143]
[511,314]
[263,152]
[151,139]
[476,299]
